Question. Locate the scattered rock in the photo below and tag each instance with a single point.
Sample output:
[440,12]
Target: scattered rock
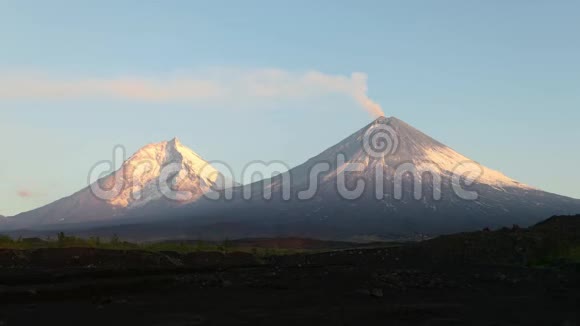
[377,293]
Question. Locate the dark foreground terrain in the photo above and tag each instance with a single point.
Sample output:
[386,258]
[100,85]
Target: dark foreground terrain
[504,277]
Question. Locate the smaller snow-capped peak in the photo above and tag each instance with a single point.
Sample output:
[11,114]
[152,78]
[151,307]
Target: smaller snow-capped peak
[169,165]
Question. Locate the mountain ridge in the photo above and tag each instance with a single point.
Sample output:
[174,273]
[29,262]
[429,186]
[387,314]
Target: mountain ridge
[396,212]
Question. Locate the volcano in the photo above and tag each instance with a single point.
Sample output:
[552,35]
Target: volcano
[136,184]
[409,185]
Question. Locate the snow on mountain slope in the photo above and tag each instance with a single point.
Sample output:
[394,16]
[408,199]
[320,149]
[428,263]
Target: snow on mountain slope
[142,174]
[408,146]
[167,173]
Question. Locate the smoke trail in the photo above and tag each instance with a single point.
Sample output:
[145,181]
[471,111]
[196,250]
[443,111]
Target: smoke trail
[217,85]
[360,95]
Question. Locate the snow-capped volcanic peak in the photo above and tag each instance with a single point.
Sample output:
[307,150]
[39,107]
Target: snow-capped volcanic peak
[405,144]
[423,151]
[159,168]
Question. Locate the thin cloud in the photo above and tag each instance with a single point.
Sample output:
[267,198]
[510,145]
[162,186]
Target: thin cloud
[24,193]
[218,85]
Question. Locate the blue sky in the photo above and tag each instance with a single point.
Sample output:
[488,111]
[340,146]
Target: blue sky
[498,81]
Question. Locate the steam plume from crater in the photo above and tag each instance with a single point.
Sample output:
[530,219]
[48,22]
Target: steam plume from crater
[361,96]
[217,85]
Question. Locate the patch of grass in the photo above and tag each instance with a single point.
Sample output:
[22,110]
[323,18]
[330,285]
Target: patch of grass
[572,254]
[114,243]
[569,254]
